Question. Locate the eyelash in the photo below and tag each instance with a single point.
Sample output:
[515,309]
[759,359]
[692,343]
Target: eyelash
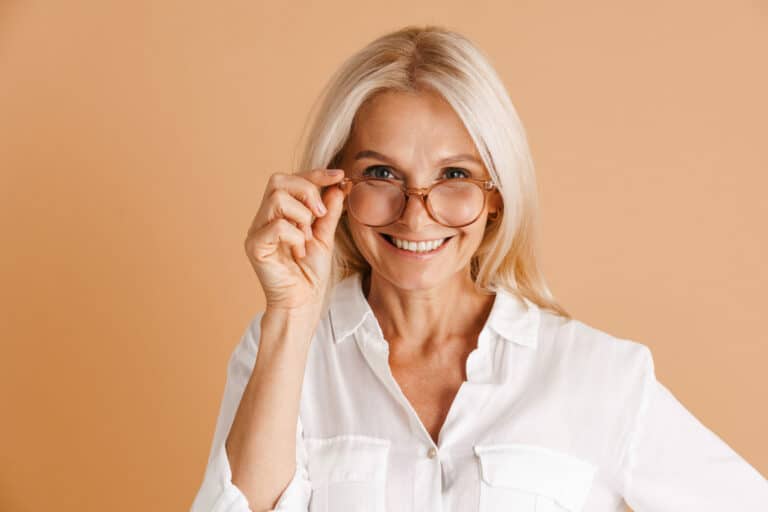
[467,174]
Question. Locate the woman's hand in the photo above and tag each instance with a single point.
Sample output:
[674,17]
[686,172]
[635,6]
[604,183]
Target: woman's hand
[290,253]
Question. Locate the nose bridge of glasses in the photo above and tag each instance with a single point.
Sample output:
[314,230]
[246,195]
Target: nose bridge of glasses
[416,190]
[420,192]
[422,212]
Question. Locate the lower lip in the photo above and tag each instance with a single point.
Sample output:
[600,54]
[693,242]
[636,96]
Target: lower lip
[414,255]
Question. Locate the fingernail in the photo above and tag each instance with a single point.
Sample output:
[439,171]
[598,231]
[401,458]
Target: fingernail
[333,172]
[321,209]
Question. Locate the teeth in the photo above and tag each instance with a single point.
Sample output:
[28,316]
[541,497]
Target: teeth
[430,245]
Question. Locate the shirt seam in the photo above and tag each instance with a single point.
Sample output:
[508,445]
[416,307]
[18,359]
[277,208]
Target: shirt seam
[628,454]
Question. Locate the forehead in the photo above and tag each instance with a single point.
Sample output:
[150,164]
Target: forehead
[405,123]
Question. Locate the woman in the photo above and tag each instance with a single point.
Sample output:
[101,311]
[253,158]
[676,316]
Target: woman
[410,356]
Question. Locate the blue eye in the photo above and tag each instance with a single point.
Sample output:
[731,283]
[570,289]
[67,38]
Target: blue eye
[384,172]
[450,170]
[372,173]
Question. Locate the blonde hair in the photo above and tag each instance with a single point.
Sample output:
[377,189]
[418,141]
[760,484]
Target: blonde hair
[414,59]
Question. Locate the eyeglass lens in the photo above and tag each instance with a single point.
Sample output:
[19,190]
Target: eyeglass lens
[379,202]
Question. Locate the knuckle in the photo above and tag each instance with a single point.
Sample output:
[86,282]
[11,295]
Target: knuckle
[282,225]
[276,206]
[251,242]
[312,194]
[278,199]
[285,228]
[276,193]
[305,193]
[307,198]
[275,179]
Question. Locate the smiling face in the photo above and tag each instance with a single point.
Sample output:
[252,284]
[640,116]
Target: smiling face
[408,137]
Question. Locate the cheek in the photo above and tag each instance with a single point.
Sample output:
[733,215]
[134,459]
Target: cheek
[364,240]
[473,236]
[470,241]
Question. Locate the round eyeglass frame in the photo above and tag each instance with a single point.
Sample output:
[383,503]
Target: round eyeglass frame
[485,186]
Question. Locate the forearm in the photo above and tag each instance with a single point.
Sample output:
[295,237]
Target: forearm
[261,445]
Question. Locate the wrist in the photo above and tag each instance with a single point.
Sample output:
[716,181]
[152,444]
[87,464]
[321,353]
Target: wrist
[299,322]
[302,312]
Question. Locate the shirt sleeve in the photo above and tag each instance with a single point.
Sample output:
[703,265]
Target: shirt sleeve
[217,492]
[674,462]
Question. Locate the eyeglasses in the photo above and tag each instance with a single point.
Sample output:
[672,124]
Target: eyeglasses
[377,202]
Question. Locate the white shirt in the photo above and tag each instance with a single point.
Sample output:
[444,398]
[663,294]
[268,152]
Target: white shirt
[554,416]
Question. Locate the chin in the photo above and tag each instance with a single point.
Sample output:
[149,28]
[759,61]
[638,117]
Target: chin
[414,278]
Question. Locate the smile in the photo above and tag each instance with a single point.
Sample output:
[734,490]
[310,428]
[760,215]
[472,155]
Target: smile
[414,247]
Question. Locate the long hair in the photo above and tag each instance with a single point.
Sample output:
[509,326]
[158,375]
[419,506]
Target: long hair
[414,59]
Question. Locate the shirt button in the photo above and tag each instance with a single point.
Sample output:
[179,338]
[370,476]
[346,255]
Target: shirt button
[432,453]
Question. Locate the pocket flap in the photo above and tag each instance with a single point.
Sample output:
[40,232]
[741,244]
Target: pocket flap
[347,458]
[564,478]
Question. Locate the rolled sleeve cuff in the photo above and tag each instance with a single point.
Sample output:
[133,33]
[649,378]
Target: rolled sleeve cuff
[227,497]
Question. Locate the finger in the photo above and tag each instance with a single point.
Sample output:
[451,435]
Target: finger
[322,178]
[279,233]
[325,228]
[286,206]
[303,187]
[299,187]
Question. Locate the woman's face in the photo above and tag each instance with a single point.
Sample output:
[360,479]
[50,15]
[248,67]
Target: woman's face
[413,133]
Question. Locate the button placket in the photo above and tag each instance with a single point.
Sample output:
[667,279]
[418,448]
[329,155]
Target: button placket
[375,350]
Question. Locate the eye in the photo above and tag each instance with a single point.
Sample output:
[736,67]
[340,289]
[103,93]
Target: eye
[451,172]
[373,171]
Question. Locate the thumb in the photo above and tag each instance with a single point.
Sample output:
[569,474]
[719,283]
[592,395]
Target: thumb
[325,227]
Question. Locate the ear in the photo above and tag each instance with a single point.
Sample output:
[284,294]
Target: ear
[495,202]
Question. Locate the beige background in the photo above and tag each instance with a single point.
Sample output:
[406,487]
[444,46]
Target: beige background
[136,138]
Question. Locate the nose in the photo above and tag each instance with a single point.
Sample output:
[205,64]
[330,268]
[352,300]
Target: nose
[415,215]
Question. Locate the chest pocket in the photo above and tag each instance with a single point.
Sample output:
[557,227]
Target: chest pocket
[348,473]
[530,478]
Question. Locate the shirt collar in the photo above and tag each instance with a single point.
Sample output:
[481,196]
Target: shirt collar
[513,319]
[348,308]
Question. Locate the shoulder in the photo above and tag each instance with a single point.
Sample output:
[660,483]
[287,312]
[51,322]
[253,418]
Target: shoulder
[600,381]
[593,360]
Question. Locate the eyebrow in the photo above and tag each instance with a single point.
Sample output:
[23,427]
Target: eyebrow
[369,153]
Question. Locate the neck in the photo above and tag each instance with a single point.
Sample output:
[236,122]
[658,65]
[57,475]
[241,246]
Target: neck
[421,321]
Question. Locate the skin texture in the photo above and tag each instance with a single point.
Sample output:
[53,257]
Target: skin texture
[428,310]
